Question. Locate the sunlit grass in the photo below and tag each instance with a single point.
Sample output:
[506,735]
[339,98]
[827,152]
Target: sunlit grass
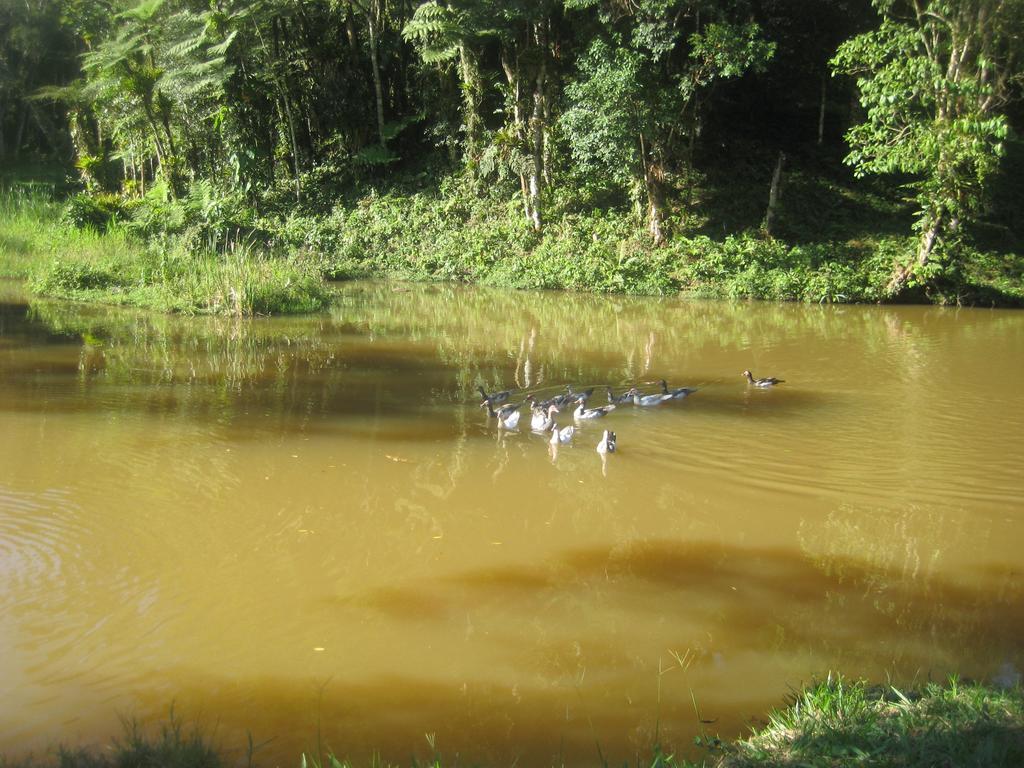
[242,282]
[28,219]
[841,723]
[832,724]
[115,267]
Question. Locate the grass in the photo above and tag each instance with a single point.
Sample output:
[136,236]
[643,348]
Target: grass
[833,724]
[173,746]
[242,281]
[837,723]
[835,242]
[218,252]
[28,218]
[114,266]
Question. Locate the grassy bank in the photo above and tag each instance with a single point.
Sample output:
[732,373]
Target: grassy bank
[832,240]
[109,261]
[838,723]
[834,723]
[219,252]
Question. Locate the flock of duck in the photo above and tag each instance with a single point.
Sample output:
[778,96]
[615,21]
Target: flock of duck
[542,417]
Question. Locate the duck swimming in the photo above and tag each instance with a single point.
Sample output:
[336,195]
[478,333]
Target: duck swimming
[648,400]
[676,394]
[507,415]
[563,435]
[582,412]
[543,418]
[769,381]
[572,395]
[494,399]
[625,397]
[607,444]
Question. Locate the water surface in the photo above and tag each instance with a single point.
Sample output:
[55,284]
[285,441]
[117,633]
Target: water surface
[297,526]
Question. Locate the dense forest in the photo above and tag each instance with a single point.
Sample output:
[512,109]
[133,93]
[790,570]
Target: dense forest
[691,135]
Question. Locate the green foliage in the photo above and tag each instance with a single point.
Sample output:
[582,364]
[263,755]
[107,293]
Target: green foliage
[841,723]
[63,277]
[242,282]
[459,236]
[934,85]
[722,51]
[280,130]
[97,211]
[609,109]
[437,30]
[639,93]
[173,273]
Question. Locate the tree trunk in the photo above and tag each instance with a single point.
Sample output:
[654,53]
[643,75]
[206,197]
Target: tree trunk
[774,195]
[295,145]
[903,273]
[537,145]
[20,133]
[519,130]
[821,109]
[378,88]
[471,92]
[3,144]
[655,213]
[652,186]
[350,33]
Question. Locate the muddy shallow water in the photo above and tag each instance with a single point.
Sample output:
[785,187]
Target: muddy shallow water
[286,527]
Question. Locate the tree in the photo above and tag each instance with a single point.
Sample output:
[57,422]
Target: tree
[934,79]
[442,34]
[525,33]
[641,90]
[37,49]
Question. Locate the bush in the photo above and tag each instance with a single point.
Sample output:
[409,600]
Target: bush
[98,212]
[63,277]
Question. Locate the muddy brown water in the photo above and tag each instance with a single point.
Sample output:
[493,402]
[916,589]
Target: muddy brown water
[307,531]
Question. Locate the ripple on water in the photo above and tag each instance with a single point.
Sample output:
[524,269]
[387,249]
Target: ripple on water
[64,599]
[37,530]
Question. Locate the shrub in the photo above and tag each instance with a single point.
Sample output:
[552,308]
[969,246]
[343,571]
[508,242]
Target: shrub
[84,211]
[62,277]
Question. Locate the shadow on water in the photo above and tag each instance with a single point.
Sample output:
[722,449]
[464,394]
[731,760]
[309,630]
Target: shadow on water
[816,602]
[876,620]
[512,654]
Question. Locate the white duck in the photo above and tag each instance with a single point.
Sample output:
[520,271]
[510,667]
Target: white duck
[647,400]
[582,412]
[563,435]
[543,419]
[507,415]
[607,444]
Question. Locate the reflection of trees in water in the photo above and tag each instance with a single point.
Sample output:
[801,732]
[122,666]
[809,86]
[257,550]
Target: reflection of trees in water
[893,570]
[495,337]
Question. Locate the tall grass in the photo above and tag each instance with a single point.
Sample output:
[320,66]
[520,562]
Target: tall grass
[173,746]
[114,266]
[28,219]
[243,281]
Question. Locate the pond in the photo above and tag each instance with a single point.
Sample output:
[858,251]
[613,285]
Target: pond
[309,532]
